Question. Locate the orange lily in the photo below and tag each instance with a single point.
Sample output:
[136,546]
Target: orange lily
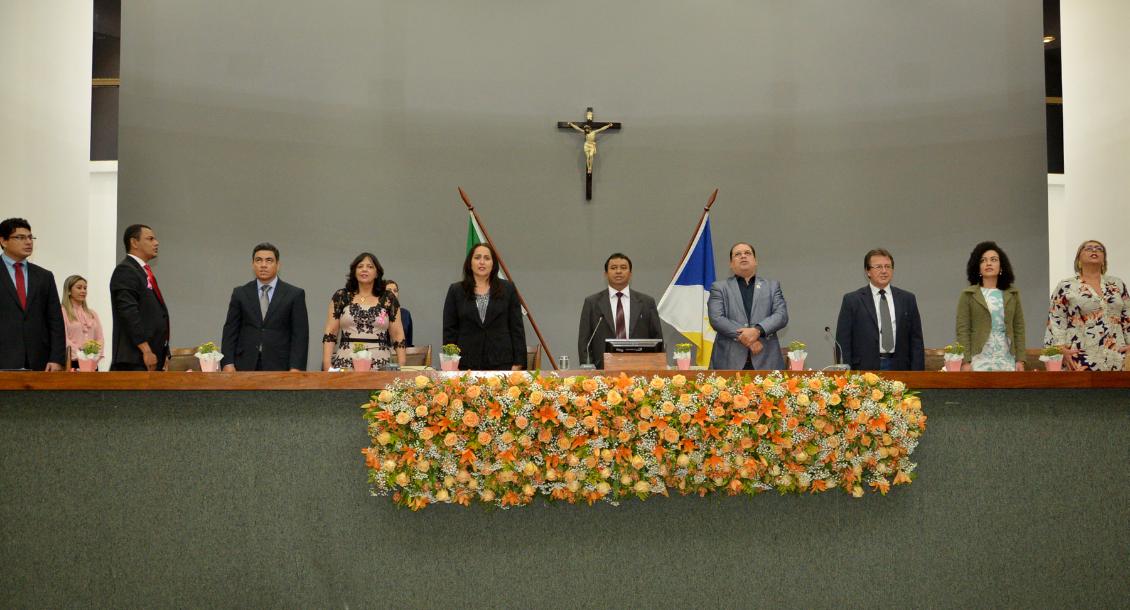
[547,414]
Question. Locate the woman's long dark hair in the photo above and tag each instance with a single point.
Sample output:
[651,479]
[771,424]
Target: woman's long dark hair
[469,276]
[351,284]
[973,267]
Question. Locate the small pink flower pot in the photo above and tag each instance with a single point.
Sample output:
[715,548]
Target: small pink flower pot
[362,364]
[209,366]
[87,366]
[449,364]
[796,365]
[1053,365]
[683,364]
[953,366]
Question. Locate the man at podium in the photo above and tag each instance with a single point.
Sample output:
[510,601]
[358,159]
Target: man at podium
[617,312]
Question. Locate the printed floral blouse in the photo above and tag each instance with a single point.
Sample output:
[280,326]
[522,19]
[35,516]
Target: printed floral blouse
[1097,324]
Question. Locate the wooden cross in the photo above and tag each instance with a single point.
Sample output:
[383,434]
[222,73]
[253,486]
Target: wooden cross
[589,129]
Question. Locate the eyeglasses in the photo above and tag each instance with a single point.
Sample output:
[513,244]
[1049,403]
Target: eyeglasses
[881,267]
[1094,249]
[23,237]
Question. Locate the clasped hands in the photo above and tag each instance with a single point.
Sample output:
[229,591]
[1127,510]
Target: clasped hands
[751,338]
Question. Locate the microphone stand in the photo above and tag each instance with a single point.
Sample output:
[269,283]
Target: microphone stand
[588,365]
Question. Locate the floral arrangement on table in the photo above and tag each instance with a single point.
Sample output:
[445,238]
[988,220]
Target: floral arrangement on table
[682,356]
[1052,357]
[359,350]
[504,439]
[797,354]
[954,356]
[209,356]
[449,355]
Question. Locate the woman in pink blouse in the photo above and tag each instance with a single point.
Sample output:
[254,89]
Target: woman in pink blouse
[81,322]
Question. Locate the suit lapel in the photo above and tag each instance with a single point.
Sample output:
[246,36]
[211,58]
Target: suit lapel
[736,302]
[604,305]
[9,287]
[980,298]
[868,301]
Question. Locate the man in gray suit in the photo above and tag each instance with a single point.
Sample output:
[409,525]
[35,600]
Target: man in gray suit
[615,312]
[746,311]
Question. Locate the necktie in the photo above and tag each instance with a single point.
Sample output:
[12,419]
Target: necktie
[264,302]
[621,331]
[153,283]
[886,332]
[21,289]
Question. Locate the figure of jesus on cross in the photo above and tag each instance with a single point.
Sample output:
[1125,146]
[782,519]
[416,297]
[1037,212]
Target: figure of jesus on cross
[589,130]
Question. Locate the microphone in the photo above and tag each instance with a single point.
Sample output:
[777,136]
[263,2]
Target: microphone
[837,352]
[587,364]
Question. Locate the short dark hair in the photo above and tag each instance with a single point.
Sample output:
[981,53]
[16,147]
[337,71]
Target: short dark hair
[973,267]
[10,225]
[876,252]
[742,243]
[615,255]
[268,246]
[133,232]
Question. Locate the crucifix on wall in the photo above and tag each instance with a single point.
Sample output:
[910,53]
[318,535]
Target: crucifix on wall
[589,129]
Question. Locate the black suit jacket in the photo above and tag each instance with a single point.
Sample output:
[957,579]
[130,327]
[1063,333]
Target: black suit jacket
[282,338]
[643,325]
[497,343]
[138,316]
[34,336]
[857,331]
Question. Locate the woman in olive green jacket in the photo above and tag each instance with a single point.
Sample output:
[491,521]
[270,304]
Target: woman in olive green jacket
[990,319]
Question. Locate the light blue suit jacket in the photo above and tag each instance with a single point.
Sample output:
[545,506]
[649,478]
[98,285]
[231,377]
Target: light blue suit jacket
[727,316]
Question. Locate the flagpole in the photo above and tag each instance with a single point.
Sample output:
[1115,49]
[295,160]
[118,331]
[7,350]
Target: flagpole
[502,265]
[705,210]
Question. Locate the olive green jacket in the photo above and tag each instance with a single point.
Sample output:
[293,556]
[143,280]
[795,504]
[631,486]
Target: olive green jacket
[974,321]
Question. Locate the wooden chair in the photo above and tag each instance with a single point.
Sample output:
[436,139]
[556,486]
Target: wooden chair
[533,357]
[183,359]
[935,358]
[418,356]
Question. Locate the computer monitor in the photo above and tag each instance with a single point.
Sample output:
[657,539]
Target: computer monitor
[633,346]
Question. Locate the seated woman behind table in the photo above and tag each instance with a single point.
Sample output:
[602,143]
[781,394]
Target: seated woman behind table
[81,322]
[482,315]
[1089,318]
[990,318]
[363,312]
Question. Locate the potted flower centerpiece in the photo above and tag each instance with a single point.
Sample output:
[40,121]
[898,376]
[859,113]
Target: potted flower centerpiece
[682,355]
[362,358]
[797,354]
[449,357]
[954,356]
[89,356]
[1052,357]
[209,356]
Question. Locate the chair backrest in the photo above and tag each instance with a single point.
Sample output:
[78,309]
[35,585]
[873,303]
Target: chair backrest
[533,357]
[935,359]
[183,359]
[418,356]
[1032,359]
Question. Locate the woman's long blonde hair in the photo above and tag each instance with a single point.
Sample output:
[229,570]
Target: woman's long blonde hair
[67,305]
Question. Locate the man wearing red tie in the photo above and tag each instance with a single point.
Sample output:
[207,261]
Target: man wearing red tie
[31,322]
[141,317]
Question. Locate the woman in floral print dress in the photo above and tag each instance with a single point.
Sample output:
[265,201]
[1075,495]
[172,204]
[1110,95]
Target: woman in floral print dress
[1090,314]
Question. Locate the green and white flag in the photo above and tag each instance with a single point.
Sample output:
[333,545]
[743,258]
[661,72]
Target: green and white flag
[475,237]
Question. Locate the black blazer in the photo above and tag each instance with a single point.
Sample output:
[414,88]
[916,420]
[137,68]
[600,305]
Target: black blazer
[282,338]
[497,343]
[643,325]
[406,322]
[33,337]
[857,331]
[138,316]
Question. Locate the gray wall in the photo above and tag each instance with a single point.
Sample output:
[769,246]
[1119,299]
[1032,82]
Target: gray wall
[829,128]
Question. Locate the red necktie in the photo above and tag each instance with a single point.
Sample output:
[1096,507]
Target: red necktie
[153,283]
[21,289]
[621,332]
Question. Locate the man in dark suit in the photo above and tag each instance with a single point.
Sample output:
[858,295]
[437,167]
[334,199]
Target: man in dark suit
[267,327]
[141,317]
[747,311]
[32,335]
[879,328]
[615,312]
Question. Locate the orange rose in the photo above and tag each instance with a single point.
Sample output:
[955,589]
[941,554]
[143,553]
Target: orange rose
[645,412]
[871,378]
[456,404]
[589,421]
[473,392]
[614,397]
[741,401]
[570,421]
[471,419]
[484,438]
[422,381]
[678,381]
[670,435]
[450,439]
[834,399]
[521,421]
[684,418]
[426,433]
[718,411]
[385,396]
[494,382]
[588,385]
[638,394]
[536,397]
[517,378]
[685,399]
[706,389]
[514,392]
[507,437]
[440,399]
[525,441]
[657,383]
[725,396]
[487,495]
[403,417]
[876,394]
[545,435]
[422,411]
[668,407]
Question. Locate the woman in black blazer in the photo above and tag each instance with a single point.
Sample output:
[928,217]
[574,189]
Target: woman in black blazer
[483,317]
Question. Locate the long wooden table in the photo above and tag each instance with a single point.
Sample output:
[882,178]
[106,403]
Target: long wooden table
[250,490]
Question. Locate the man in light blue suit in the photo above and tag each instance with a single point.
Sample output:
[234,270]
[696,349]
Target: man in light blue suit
[746,311]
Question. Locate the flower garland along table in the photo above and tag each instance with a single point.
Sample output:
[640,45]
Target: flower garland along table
[506,438]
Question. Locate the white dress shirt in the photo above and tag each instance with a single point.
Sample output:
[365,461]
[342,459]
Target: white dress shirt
[627,302]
